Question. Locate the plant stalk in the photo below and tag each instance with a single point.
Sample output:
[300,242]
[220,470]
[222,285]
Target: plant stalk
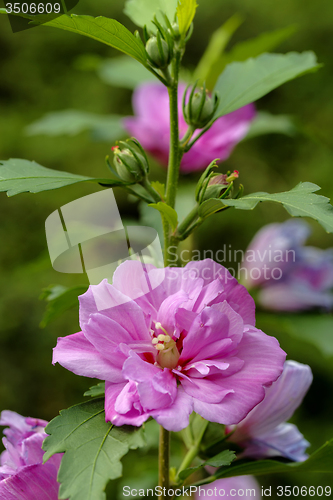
[163,461]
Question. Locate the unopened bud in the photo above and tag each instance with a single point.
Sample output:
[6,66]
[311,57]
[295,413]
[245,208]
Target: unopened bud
[201,108]
[175,31]
[218,184]
[130,168]
[158,52]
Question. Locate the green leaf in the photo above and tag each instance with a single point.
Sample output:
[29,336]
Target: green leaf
[96,390]
[72,122]
[142,12]
[169,213]
[209,207]
[123,72]
[266,42]
[185,13]
[21,176]
[159,187]
[101,29]
[266,123]
[320,461]
[93,449]
[222,459]
[215,48]
[314,329]
[299,202]
[245,82]
[59,299]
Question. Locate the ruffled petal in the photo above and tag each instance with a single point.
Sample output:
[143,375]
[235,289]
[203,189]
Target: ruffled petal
[176,416]
[78,355]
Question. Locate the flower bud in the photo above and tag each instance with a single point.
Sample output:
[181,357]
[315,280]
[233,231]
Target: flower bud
[175,31]
[129,167]
[158,52]
[201,108]
[218,184]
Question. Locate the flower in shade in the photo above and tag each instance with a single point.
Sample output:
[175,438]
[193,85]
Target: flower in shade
[264,431]
[151,126]
[236,487]
[292,277]
[23,476]
[185,342]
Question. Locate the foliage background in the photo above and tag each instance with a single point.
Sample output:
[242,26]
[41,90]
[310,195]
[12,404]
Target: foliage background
[40,73]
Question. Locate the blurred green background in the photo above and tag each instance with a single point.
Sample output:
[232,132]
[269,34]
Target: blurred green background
[39,74]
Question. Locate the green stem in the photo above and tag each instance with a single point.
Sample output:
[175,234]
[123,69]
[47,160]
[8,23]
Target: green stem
[192,452]
[174,154]
[189,219]
[146,184]
[163,461]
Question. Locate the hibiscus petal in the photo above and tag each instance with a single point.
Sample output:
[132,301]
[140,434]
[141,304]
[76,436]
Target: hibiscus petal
[159,392]
[263,364]
[78,355]
[31,483]
[281,400]
[134,416]
[285,440]
[105,334]
[32,452]
[176,416]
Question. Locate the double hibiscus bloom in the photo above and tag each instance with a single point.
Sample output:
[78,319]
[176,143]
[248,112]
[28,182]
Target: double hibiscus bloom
[171,341]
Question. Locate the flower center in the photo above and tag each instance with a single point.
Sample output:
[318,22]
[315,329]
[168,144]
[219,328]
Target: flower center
[168,353]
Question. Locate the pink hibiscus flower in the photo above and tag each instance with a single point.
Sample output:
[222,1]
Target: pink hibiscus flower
[185,342]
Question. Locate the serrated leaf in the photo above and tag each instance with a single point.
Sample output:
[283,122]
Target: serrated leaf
[266,123]
[21,176]
[320,461]
[169,213]
[60,299]
[222,459]
[253,47]
[185,13]
[96,390]
[101,29]
[245,82]
[215,48]
[123,72]
[93,449]
[142,12]
[299,202]
[72,122]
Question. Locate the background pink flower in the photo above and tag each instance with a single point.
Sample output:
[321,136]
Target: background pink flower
[238,487]
[303,276]
[188,344]
[264,432]
[23,476]
[151,126]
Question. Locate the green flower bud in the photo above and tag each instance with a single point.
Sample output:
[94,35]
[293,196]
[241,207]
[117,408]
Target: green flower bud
[129,167]
[218,184]
[158,52]
[175,31]
[201,108]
